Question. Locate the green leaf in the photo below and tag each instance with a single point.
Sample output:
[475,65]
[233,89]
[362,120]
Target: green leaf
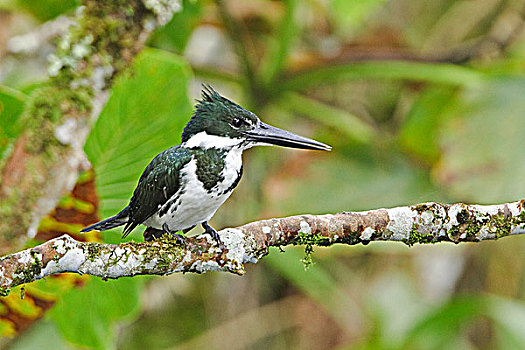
[444,326]
[85,316]
[338,119]
[509,318]
[42,335]
[350,15]
[441,326]
[176,33]
[11,107]
[420,130]
[145,115]
[430,72]
[465,27]
[483,144]
[49,9]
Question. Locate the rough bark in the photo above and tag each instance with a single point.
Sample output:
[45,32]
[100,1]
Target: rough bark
[421,223]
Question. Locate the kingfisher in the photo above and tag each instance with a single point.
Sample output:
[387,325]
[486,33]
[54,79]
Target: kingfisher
[184,185]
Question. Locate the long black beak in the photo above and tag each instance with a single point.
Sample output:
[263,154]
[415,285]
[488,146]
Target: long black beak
[264,133]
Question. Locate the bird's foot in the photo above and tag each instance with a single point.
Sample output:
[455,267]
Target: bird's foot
[213,233]
[151,234]
[178,237]
[181,240]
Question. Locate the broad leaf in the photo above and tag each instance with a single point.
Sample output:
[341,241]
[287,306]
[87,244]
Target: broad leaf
[145,115]
[176,33]
[419,134]
[46,10]
[86,316]
[11,107]
[339,119]
[440,328]
[483,145]
[392,70]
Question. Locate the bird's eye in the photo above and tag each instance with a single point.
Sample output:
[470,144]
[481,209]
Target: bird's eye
[237,122]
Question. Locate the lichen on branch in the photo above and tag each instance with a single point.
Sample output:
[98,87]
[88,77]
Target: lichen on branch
[421,223]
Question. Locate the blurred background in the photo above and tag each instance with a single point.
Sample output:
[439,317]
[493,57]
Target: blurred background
[421,101]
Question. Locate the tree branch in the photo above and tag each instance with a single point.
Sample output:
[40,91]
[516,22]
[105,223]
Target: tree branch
[420,223]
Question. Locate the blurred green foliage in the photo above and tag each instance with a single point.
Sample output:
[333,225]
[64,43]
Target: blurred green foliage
[487,143]
[108,302]
[421,101]
[46,10]
[11,108]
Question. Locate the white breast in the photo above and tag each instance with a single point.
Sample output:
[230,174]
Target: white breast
[194,204]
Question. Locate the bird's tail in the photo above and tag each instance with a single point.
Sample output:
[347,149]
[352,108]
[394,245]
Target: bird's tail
[114,221]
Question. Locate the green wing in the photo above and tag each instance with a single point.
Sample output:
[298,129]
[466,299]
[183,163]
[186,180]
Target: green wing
[159,181]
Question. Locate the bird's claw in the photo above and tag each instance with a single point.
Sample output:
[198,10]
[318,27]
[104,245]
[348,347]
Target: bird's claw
[180,240]
[178,237]
[214,234]
[151,234]
[216,237]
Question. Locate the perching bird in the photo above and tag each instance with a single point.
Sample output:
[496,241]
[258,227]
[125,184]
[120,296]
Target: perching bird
[186,184]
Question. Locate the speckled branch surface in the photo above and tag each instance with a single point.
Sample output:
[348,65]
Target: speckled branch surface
[421,223]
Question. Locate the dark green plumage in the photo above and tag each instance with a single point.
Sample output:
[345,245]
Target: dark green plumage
[210,163]
[215,114]
[159,181]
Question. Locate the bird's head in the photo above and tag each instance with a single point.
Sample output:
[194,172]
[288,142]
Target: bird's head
[220,123]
